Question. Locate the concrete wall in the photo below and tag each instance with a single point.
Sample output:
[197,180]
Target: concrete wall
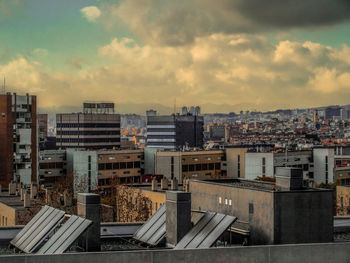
[310,253]
[320,172]
[232,162]
[303,216]
[237,201]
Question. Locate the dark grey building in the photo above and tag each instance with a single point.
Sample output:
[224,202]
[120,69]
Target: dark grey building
[175,131]
[331,112]
[97,127]
[272,214]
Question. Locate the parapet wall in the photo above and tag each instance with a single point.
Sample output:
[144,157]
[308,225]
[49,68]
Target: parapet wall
[310,253]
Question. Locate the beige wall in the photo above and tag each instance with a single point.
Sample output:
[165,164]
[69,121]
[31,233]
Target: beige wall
[232,162]
[7,215]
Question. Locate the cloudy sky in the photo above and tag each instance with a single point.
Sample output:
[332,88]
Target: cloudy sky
[225,55]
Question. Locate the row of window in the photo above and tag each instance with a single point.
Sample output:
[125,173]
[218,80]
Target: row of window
[50,165]
[200,167]
[59,132]
[88,125]
[226,202]
[87,140]
[117,166]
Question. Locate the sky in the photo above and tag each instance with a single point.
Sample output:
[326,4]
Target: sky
[224,55]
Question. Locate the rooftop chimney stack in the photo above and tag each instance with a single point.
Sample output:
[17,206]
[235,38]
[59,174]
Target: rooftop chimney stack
[178,216]
[89,206]
[174,184]
[154,184]
[289,178]
[21,192]
[12,188]
[26,199]
[33,191]
[164,184]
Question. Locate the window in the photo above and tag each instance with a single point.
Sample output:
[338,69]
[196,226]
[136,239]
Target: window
[230,202]
[226,202]
[220,200]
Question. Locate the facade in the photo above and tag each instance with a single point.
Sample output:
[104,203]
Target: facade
[343,200]
[43,129]
[323,165]
[52,167]
[273,217]
[98,127]
[235,159]
[190,164]
[342,175]
[175,131]
[317,165]
[102,170]
[18,137]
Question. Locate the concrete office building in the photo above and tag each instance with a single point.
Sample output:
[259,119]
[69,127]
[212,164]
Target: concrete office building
[175,131]
[97,127]
[235,159]
[190,164]
[332,112]
[102,170]
[18,139]
[271,216]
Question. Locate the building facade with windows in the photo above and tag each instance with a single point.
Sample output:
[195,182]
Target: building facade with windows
[190,164]
[98,127]
[18,139]
[175,131]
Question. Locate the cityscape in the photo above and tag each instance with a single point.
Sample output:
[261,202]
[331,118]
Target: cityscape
[156,132]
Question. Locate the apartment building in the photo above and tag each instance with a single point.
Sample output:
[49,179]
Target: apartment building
[52,167]
[18,139]
[97,127]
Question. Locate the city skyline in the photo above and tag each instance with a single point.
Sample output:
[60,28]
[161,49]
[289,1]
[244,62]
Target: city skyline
[223,57]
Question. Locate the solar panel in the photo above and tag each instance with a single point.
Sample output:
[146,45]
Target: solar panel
[153,231]
[208,229]
[65,236]
[35,232]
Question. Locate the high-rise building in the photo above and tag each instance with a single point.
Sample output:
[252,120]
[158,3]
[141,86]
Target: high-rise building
[18,139]
[97,127]
[175,131]
[43,129]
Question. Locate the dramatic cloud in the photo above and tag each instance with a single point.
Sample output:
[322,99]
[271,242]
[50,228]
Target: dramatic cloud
[238,71]
[91,13]
[180,22]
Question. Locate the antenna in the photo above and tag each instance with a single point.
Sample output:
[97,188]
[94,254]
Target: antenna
[4,85]
[175,107]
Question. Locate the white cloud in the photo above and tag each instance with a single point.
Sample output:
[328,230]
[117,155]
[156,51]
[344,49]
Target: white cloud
[91,13]
[220,69]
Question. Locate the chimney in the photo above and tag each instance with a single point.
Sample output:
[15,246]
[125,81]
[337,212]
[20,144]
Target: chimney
[21,192]
[186,185]
[174,184]
[12,188]
[154,184]
[89,207]
[33,191]
[178,216]
[164,184]
[26,199]
[47,196]
[289,178]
